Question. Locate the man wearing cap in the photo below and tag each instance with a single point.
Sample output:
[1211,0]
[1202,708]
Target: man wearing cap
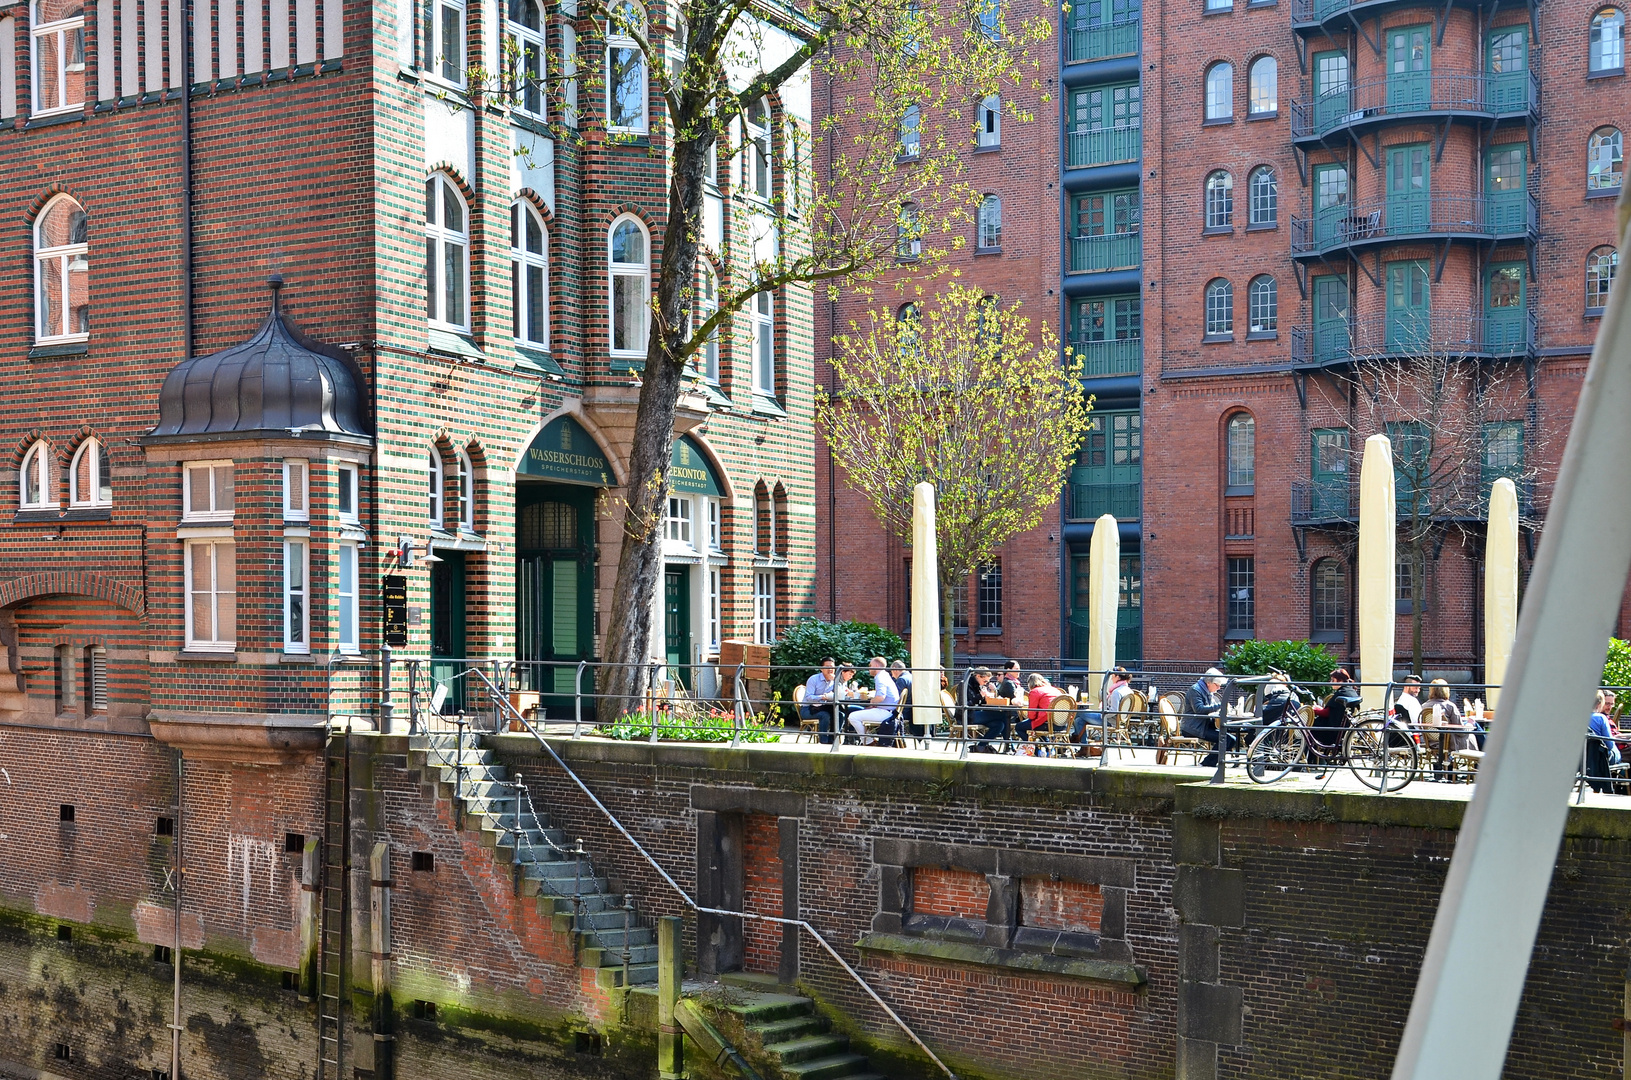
[1202,706]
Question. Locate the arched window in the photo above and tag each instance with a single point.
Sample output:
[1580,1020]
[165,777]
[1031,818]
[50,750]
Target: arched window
[525,58]
[447,254]
[1220,307]
[756,149]
[529,274]
[990,222]
[1328,599]
[1263,189]
[1263,305]
[1220,200]
[90,479]
[437,483]
[764,344]
[59,55]
[1605,160]
[909,329]
[34,480]
[1241,453]
[912,25]
[62,272]
[1264,87]
[625,69]
[1608,40]
[630,266]
[911,132]
[707,304]
[908,232]
[1601,265]
[1220,92]
[467,491]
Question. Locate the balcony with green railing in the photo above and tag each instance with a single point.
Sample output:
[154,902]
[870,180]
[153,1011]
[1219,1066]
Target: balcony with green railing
[1103,40]
[1106,251]
[1116,356]
[1090,501]
[1103,146]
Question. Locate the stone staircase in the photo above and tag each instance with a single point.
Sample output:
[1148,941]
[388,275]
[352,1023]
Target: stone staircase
[566,888]
[784,1034]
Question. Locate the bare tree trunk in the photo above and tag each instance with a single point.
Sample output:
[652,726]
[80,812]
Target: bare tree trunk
[948,659]
[1418,582]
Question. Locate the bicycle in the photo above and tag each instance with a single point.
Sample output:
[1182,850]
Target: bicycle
[1379,750]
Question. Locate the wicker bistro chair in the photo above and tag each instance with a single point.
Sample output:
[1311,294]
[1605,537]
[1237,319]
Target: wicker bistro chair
[1173,740]
[808,725]
[1053,736]
[1119,724]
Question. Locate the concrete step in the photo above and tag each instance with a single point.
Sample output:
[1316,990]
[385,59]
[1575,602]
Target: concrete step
[795,1027]
[764,1008]
[639,974]
[613,939]
[809,1048]
[828,1068]
[593,956]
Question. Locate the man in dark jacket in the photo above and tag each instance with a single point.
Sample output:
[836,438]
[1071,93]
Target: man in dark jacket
[1201,710]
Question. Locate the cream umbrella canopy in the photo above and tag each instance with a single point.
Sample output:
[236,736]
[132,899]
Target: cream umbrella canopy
[1103,590]
[1378,535]
[1500,585]
[925,610]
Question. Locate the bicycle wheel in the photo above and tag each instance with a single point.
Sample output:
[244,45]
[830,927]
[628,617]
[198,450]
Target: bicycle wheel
[1380,767]
[1276,751]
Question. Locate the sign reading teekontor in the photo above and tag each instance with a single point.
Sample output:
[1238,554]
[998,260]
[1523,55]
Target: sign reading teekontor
[564,452]
[689,472]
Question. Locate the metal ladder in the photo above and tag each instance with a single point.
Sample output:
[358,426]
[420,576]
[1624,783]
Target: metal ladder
[331,933]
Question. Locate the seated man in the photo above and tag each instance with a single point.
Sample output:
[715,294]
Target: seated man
[1202,707]
[820,699]
[880,707]
[985,711]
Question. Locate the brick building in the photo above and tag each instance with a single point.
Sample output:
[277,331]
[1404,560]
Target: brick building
[1257,204]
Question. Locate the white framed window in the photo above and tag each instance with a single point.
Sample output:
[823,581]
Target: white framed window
[679,520]
[59,55]
[444,40]
[715,536]
[345,494]
[625,69]
[990,222]
[296,489]
[714,620]
[756,150]
[707,304]
[447,254]
[529,274]
[1220,307]
[1263,84]
[296,591]
[211,613]
[764,344]
[988,19]
[911,132]
[1220,91]
[1608,40]
[438,517]
[467,492]
[569,74]
[988,122]
[90,479]
[908,232]
[34,487]
[1220,200]
[62,272]
[1263,304]
[764,607]
[1264,188]
[206,491]
[1605,159]
[345,598]
[630,272]
[524,57]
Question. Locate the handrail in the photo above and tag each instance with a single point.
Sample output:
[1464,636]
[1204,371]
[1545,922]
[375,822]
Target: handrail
[503,704]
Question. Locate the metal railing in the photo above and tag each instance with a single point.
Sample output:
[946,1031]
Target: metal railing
[1336,501]
[1115,356]
[1106,251]
[1377,100]
[1089,501]
[1404,334]
[1388,219]
[1103,41]
[1103,146]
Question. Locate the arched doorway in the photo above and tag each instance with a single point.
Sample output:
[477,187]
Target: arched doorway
[555,490]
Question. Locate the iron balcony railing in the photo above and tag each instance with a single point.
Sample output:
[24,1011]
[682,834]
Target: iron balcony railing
[1478,93]
[1107,251]
[1436,333]
[1335,501]
[1383,220]
[1129,640]
[1104,146]
[1101,41]
[1307,11]
[1117,356]
[1090,501]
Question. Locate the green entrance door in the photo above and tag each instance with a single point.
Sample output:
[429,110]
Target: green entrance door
[1409,68]
[1507,63]
[1129,607]
[1331,341]
[1329,476]
[1504,329]
[1407,305]
[554,588]
[447,630]
[677,622]
[1408,189]
[1333,99]
[1330,204]
[1506,195]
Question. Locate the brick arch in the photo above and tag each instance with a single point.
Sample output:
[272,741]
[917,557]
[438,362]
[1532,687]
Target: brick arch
[44,197]
[72,583]
[528,195]
[452,172]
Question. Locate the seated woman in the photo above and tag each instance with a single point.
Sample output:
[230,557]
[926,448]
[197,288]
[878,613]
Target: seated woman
[1333,717]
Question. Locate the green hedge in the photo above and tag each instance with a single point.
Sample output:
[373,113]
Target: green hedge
[804,644]
[1304,661]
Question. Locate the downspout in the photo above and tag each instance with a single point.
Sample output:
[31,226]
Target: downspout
[832,473]
[175,947]
[186,186]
